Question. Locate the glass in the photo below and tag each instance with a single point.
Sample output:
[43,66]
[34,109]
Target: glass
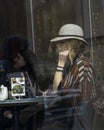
[40,20]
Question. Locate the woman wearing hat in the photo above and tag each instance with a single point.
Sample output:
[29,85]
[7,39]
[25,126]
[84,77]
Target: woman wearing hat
[74,72]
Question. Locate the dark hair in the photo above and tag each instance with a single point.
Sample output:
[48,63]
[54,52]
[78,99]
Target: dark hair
[12,45]
[31,61]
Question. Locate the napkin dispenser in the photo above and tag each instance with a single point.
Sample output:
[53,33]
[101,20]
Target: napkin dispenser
[3,92]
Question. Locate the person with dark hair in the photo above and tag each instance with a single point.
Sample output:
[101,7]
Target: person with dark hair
[20,59]
[10,46]
[17,56]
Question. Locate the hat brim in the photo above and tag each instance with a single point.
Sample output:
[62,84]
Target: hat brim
[67,37]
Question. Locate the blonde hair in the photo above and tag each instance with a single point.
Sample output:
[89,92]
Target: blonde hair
[76,47]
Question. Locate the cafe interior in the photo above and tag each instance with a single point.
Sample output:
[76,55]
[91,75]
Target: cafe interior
[26,27]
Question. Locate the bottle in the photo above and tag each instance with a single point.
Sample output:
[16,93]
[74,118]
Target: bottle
[3,92]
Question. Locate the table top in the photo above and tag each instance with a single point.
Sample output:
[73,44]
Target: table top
[26,101]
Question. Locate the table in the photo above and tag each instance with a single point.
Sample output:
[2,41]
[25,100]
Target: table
[16,104]
[20,102]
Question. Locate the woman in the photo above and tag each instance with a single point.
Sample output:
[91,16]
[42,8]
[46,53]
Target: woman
[20,59]
[10,47]
[74,72]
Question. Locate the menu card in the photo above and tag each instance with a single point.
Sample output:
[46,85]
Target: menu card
[17,84]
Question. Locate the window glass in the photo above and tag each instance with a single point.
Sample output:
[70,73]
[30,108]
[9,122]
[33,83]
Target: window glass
[39,21]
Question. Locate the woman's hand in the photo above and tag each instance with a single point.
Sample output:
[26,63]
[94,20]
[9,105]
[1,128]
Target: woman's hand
[8,114]
[62,58]
[47,92]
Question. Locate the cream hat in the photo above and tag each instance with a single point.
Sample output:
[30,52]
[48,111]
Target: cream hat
[70,31]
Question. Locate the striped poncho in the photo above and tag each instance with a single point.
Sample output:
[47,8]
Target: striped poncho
[80,77]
